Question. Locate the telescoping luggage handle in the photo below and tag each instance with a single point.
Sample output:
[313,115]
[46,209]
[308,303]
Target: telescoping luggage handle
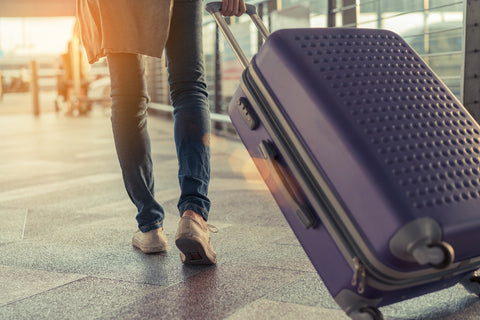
[281,180]
[214,9]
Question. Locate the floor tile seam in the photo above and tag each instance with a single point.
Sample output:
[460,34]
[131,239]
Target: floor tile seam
[111,312]
[297,279]
[238,258]
[48,242]
[228,263]
[46,270]
[319,306]
[82,279]
[41,190]
[302,273]
[127,281]
[290,303]
[264,296]
[45,291]
[279,268]
[240,307]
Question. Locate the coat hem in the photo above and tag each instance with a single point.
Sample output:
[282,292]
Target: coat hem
[105,51]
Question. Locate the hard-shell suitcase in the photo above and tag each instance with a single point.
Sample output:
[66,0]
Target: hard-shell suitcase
[373,161]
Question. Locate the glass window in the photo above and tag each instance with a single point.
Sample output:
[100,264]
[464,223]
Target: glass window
[434,28]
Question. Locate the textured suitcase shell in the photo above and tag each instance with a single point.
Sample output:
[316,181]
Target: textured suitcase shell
[373,114]
[391,142]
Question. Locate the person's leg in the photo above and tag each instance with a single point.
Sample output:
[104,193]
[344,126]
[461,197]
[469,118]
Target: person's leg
[190,101]
[129,124]
[192,130]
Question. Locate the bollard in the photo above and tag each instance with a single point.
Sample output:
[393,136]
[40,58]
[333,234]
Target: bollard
[76,67]
[34,88]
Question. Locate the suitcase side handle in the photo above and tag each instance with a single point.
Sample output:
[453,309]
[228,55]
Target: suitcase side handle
[214,9]
[283,183]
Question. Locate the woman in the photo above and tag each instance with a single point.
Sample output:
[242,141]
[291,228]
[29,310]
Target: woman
[124,31]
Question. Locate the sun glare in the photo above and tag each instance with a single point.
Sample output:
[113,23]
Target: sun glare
[30,36]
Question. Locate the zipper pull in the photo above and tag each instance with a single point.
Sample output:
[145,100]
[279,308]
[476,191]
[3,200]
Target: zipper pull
[359,275]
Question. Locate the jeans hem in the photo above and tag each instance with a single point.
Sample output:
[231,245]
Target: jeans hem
[151,227]
[195,208]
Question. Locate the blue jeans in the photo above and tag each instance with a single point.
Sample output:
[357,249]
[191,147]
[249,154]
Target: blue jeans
[191,119]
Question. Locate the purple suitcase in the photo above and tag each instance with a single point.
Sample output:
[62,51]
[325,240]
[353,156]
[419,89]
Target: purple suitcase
[372,160]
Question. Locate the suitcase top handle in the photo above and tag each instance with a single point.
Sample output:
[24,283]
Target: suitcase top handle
[214,9]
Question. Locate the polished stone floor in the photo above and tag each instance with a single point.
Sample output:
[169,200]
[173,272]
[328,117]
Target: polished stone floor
[66,225]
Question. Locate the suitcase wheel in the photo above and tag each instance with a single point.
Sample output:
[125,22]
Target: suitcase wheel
[367,313]
[448,255]
[471,283]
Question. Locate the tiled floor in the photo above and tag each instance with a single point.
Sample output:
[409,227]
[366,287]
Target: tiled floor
[66,225]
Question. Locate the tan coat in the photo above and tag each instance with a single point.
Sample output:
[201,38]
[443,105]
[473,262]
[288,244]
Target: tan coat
[124,26]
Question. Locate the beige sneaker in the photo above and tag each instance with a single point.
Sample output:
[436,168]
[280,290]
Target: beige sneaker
[151,241]
[194,242]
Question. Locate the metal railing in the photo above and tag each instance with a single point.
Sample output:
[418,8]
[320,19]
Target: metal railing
[157,76]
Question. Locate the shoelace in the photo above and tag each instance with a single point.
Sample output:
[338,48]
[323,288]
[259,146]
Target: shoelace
[212,228]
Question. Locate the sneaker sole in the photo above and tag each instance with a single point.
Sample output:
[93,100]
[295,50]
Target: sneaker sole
[193,252]
[149,249]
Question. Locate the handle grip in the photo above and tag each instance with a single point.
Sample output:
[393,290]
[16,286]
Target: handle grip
[214,9]
[216,6]
[282,183]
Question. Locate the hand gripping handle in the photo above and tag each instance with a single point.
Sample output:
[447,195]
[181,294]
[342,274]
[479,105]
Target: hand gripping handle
[214,9]
[216,6]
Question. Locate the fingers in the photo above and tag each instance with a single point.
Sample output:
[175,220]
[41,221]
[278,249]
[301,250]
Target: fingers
[227,8]
[233,8]
[241,8]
